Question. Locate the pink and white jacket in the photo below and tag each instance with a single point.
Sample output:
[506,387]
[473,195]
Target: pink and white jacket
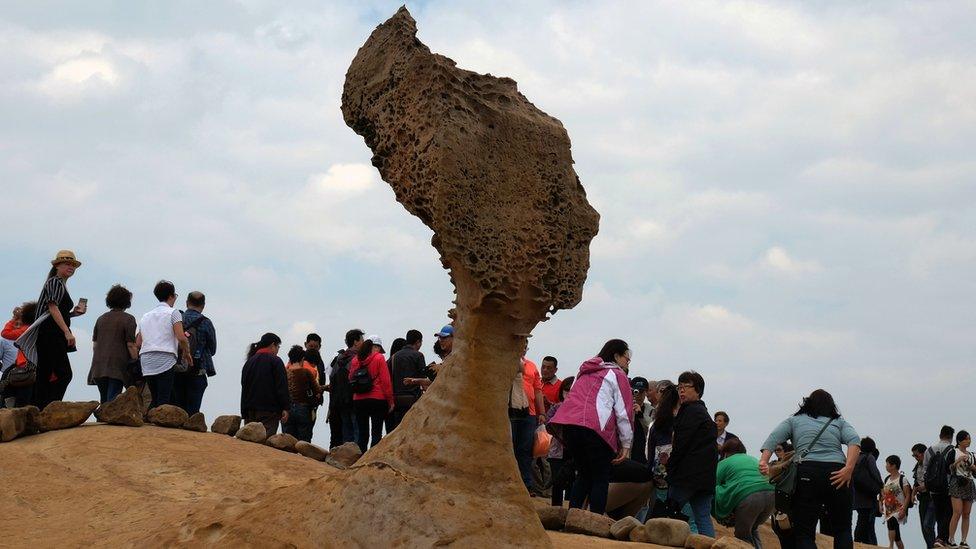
[601,401]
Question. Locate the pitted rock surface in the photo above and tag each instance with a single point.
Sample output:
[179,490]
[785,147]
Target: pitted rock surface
[168,415]
[478,163]
[18,422]
[226,425]
[125,409]
[64,415]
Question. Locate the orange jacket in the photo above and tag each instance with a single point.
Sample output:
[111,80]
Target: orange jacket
[12,332]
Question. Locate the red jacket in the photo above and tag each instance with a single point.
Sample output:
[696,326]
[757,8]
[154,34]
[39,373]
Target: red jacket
[382,387]
[12,333]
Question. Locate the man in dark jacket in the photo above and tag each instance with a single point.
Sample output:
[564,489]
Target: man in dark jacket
[867,484]
[691,467]
[342,418]
[409,374]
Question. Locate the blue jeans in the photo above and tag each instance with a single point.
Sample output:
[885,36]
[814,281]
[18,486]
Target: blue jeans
[299,422]
[523,439]
[161,387]
[108,389]
[188,391]
[701,507]
[926,512]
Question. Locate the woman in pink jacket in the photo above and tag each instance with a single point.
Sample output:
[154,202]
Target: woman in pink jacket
[596,421]
[372,405]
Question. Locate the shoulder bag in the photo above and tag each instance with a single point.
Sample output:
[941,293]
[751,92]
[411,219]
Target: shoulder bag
[786,481]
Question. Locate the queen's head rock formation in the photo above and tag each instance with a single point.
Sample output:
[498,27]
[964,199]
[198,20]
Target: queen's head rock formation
[492,176]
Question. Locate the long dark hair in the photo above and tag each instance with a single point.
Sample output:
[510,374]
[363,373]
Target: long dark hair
[564,387]
[266,341]
[613,348]
[664,413]
[819,404]
[364,351]
[397,344]
[28,313]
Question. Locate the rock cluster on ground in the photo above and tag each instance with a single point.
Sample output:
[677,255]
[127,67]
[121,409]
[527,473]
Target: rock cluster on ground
[18,422]
[579,521]
[344,456]
[168,415]
[312,451]
[226,425]
[65,415]
[253,432]
[126,409]
[197,422]
[621,529]
[282,441]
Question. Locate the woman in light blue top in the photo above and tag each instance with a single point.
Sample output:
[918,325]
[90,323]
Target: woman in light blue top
[824,476]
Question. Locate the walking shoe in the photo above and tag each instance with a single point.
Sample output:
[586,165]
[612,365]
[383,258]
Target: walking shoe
[938,543]
[963,545]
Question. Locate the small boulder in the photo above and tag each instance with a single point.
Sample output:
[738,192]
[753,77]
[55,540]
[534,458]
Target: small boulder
[698,541]
[168,415]
[282,441]
[552,517]
[226,425]
[667,532]
[344,456]
[18,422]
[731,542]
[64,415]
[579,521]
[253,432]
[197,423]
[638,535]
[125,409]
[310,450]
[621,529]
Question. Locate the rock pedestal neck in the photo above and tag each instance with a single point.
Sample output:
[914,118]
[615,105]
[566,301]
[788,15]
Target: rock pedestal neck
[492,176]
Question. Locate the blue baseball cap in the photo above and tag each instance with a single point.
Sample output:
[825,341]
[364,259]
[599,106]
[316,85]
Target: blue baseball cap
[446,331]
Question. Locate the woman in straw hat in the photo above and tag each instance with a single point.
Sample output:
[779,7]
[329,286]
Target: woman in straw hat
[49,340]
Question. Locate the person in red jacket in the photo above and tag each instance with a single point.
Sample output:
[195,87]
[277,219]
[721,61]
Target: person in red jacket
[375,402]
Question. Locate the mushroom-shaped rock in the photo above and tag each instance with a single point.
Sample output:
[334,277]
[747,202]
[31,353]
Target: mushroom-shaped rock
[226,425]
[168,415]
[64,415]
[125,409]
[253,432]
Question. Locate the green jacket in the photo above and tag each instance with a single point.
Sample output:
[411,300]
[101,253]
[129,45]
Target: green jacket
[737,477]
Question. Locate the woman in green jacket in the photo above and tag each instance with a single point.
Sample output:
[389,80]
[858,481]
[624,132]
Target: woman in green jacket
[743,492]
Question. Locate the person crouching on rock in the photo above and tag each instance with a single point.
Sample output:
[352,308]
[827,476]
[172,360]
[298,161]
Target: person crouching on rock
[602,390]
[264,385]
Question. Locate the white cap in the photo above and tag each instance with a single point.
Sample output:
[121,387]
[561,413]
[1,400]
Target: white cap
[375,339]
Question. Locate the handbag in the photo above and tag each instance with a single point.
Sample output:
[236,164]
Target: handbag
[786,481]
[21,376]
[540,448]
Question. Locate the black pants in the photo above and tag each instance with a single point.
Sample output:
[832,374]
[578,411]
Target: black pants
[893,526]
[864,531]
[401,405]
[592,457]
[813,493]
[370,410]
[52,358]
[562,479]
[943,513]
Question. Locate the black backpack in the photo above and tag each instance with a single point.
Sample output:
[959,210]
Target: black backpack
[191,334]
[340,394]
[937,471]
[361,382]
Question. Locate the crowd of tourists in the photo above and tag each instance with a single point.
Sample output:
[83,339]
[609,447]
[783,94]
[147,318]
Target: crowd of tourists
[604,441]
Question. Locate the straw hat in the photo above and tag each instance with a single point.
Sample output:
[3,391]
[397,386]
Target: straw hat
[66,256]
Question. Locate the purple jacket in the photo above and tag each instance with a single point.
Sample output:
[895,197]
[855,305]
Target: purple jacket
[601,401]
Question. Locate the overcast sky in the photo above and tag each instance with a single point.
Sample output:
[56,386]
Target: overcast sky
[787,191]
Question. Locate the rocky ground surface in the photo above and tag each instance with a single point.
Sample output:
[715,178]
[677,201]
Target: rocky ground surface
[105,485]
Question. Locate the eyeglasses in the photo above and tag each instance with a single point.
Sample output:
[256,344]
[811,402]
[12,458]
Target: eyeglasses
[685,386]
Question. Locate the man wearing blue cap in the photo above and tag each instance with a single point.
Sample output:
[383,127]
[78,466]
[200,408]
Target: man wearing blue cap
[445,338]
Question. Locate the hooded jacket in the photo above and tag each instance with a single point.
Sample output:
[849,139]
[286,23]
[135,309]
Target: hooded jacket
[382,387]
[599,402]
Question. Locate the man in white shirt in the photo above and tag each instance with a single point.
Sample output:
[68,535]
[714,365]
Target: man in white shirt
[161,340]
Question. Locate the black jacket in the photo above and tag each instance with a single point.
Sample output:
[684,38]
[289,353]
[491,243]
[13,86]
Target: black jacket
[866,482]
[264,384]
[340,391]
[408,362]
[693,459]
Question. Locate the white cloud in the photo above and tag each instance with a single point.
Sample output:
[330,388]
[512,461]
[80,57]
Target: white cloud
[776,259]
[344,181]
